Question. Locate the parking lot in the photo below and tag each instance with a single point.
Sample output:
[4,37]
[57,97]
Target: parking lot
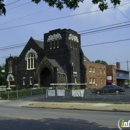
[89,96]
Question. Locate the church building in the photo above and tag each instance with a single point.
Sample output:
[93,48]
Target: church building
[57,59]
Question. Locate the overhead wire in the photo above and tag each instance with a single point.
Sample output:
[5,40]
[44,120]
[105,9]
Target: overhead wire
[12,3]
[58,18]
[19,6]
[24,16]
[103,43]
[122,13]
[23,44]
[105,29]
[80,31]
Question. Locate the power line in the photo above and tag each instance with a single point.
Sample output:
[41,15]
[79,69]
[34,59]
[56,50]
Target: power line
[19,6]
[11,47]
[106,29]
[24,16]
[58,18]
[14,46]
[102,43]
[122,13]
[54,18]
[12,3]
[48,21]
[103,27]
[41,11]
[23,44]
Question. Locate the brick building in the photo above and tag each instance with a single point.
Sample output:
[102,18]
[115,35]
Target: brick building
[59,59]
[95,74]
[111,74]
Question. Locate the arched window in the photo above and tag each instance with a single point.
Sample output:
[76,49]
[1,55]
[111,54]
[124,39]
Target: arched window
[31,61]
[30,58]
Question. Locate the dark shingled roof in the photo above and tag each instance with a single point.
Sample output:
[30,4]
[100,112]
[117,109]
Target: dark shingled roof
[56,64]
[39,43]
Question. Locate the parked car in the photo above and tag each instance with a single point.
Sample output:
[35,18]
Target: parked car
[109,89]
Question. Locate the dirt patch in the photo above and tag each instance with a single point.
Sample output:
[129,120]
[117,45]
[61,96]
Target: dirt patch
[82,106]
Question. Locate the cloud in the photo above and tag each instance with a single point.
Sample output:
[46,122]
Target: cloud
[105,17]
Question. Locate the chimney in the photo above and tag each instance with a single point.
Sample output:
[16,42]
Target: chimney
[118,65]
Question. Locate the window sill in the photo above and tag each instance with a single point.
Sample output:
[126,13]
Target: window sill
[31,69]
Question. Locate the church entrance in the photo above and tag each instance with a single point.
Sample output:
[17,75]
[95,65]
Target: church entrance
[45,77]
[10,79]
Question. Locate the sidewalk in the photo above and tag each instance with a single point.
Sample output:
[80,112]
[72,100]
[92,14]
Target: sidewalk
[82,106]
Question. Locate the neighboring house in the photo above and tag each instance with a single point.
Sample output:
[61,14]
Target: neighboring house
[98,75]
[122,76]
[111,74]
[95,74]
[58,58]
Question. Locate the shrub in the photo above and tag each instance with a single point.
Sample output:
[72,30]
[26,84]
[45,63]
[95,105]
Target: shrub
[21,93]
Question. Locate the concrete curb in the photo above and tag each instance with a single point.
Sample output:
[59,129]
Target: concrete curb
[81,106]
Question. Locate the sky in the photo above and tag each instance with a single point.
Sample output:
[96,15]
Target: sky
[99,40]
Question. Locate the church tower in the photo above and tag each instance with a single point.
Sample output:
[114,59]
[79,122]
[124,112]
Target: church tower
[65,47]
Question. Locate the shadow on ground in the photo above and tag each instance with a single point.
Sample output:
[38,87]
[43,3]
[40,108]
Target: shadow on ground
[50,124]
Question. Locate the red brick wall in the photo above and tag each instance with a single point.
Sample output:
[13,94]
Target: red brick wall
[95,74]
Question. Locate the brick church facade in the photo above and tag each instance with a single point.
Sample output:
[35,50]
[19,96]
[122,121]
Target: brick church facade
[58,59]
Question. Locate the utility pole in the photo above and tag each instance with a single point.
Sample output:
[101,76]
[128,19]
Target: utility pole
[127,65]
[129,72]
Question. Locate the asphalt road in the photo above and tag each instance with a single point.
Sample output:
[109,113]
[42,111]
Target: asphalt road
[15,117]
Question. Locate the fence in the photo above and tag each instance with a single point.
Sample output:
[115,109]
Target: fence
[21,93]
[87,95]
[65,94]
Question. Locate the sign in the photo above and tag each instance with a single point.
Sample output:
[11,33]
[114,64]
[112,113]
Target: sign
[51,93]
[60,92]
[109,79]
[77,93]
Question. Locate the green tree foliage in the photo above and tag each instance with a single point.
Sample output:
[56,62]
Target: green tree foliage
[101,62]
[71,4]
[2,75]
[2,7]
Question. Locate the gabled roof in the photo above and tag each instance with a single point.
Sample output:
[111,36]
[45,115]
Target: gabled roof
[56,64]
[39,43]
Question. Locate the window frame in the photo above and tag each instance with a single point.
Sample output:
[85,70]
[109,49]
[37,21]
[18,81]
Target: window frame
[31,59]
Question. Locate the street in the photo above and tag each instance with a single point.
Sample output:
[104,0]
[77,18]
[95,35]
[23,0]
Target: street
[13,116]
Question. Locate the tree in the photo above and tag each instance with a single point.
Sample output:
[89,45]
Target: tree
[71,4]
[101,62]
[2,7]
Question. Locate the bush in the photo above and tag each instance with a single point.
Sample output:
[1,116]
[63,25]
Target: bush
[21,93]
[4,95]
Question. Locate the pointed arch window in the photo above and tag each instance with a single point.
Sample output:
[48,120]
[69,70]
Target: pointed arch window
[31,61]
[31,57]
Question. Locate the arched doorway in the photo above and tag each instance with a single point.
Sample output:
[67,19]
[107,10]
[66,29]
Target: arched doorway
[10,80]
[45,77]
